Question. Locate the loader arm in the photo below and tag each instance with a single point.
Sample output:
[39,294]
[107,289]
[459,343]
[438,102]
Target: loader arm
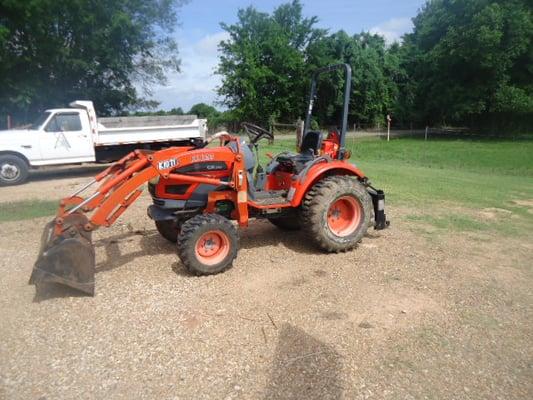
[67,255]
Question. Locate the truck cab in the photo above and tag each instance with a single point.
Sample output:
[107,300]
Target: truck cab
[60,136]
[74,135]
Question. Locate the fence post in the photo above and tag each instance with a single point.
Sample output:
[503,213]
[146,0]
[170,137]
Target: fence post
[299,132]
[426,135]
[388,127]
[8,121]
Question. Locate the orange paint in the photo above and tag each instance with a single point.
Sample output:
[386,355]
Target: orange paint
[317,172]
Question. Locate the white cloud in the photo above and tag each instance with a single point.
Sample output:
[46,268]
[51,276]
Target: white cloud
[197,81]
[393,29]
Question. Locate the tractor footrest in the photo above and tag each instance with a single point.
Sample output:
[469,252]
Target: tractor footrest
[271,200]
[267,194]
[269,197]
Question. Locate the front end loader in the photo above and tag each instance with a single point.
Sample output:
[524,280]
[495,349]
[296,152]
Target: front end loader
[199,189]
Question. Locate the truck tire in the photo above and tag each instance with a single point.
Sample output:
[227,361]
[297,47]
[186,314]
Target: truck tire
[207,244]
[168,229]
[14,170]
[336,213]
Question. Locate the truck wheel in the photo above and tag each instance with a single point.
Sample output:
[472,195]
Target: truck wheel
[336,213]
[287,223]
[207,244]
[13,170]
[168,229]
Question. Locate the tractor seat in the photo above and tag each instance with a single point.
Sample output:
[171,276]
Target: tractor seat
[308,151]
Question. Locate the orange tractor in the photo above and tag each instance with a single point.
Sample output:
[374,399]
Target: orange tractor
[198,190]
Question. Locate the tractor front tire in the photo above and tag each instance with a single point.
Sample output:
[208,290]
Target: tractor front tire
[207,244]
[336,213]
[168,229]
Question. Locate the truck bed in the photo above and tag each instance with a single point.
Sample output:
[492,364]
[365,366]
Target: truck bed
[124,130]
[151,120]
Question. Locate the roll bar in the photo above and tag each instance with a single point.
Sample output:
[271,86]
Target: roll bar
[312,95]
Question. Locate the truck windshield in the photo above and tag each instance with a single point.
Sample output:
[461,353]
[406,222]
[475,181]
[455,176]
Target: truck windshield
[40,120]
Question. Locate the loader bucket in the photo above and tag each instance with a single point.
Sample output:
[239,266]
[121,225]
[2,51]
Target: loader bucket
[67,258]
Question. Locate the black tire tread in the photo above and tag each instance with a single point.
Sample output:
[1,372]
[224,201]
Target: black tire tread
[167,229]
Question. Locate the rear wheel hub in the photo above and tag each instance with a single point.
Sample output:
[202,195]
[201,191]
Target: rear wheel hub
[344,216]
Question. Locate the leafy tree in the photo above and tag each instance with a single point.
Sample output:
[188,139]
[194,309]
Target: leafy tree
[267,63]
[263,63]
[176,111]
[375,71]
[471,59]
[55,51]
[173,111]
[203,110]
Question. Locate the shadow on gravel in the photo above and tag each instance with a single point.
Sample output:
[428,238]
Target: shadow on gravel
[70,172]
[151,244]
[303,368]
[47,291]
[263,233]
[259,234]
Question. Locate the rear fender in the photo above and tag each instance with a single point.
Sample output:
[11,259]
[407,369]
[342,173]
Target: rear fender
[309,176]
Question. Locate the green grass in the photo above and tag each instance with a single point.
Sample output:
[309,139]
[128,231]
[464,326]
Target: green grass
[438,177]
[450,221]
[484,156]
[27,209]
[446,183]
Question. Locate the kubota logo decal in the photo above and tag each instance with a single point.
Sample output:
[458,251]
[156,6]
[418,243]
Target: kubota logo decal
[166,164]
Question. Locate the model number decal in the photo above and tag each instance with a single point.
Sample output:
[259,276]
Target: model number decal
[166,164]
[202,157]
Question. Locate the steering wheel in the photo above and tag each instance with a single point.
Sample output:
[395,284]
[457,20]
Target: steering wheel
[255,133]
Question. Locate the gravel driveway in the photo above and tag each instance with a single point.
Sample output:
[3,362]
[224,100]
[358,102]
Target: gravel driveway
[401,317]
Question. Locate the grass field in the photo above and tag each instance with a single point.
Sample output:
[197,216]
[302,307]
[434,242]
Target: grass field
[446,184]
[449,181]
[27,209]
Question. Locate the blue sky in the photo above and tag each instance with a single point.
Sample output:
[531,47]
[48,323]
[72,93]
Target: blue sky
[200,33]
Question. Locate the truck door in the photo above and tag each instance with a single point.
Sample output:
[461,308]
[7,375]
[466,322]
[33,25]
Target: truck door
[66,139]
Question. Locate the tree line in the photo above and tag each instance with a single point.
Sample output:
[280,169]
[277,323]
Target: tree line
[108,51]
[467,62]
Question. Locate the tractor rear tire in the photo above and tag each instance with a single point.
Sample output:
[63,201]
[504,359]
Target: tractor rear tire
[207,244]
[168,229]
[336,213]
[287,223]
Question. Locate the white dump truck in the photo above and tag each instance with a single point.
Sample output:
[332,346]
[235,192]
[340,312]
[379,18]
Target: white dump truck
[74,135]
